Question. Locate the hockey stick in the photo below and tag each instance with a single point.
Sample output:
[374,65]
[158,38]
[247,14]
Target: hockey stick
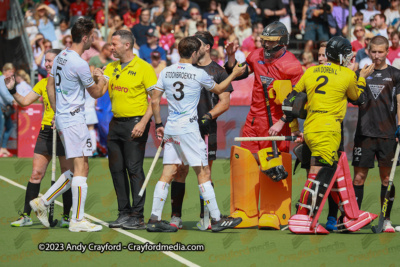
[266,138]
[153,164]
[53,177]
[206,218]
[378,229]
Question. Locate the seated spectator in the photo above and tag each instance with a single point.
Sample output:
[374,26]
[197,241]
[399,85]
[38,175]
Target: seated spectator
[6,110]
[184,7]
[392,13]
[243,29]
[61,32]
[359,43]
[200,26]
[308,60]
[214,9]
[369,12]
[195,17]
[140,29]
[363,52]
[357,19]
[380,25]
[156,62]
[44,19]
[96,7]
[152,45]
[101,59]
[213,28]
[23,81]
[118,24]
[167,38]
[169,15]
[67,41]
[233,10]
[394,50]
[249,44]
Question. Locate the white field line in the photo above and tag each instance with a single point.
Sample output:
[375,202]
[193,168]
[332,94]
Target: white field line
[136,237]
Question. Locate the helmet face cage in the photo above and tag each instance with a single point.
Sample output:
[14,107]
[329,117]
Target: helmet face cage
[345,59]
[275,32]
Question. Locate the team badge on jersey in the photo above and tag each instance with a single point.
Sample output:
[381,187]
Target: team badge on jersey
[376,89]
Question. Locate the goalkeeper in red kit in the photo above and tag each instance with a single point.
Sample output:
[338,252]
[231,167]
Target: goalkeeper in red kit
[270,64]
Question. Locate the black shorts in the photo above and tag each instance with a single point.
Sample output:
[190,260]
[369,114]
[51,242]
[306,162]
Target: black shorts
[367,148]
[44,142]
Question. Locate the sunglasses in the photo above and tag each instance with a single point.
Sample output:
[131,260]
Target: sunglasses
[195,13]
[359,31]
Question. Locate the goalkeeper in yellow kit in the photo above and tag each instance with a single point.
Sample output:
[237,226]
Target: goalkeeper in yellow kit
[327,88]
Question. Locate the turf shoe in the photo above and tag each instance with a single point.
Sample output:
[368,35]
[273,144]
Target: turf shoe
[160,226]
[331,224]
[134,223]
[64,221]
[84,225]
[224,223]
[397,228]
[23,220]
[122,218]
[41,211]
[387,227]
[176,222]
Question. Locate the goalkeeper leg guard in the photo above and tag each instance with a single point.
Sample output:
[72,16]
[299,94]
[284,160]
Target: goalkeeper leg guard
[245,187]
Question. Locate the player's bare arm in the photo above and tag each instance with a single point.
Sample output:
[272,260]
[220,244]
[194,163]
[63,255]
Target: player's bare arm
[51,92]
[140,127]
[22,101]
[98,89]
[355,88]
[222,105]
[236,72]
[155,105]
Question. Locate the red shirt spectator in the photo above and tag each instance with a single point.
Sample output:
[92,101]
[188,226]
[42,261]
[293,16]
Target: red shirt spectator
[130,19]
[78,8]
[356,45]
[394,50]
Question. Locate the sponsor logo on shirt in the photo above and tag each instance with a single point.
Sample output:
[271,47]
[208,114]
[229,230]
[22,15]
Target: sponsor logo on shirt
[181,68]
[171,140]
[369,78]
[119,88]
[192,119]
[131,72]
[387,79]
[260,62]
[378,75]
[179,113]
[75,111]
[64,92]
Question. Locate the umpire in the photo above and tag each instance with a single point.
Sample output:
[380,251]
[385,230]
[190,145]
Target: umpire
[129,79]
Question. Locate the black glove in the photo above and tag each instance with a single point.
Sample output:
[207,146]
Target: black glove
[205,124]
[360,101]
[398,132]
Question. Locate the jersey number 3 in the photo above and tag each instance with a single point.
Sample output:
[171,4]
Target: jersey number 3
[180,90]
[317,91]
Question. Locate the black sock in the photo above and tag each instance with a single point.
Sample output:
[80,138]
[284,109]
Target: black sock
[32,192]
[67,201]
[391,199]
[359,191]
[177,194]
[333,207]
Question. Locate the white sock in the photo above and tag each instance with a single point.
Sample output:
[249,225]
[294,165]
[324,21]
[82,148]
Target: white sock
[93,139]
[79,193]
[60,186]
[207,191]
[160,195]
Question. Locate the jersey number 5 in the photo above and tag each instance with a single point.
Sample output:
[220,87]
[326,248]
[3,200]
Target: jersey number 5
[321,85]
[180,90]
[58,76]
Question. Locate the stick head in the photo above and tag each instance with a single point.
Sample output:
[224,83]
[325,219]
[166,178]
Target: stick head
[53,223]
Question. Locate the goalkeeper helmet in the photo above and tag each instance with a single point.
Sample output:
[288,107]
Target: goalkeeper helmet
[339,50]
[275,32]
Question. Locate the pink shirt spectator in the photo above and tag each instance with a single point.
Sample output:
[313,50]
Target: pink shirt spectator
[167,41]
[356,45]
[393,54]
[91,52]
[248,44]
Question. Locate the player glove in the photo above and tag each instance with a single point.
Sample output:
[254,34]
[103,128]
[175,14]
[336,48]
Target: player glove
[398,132]
[205,124]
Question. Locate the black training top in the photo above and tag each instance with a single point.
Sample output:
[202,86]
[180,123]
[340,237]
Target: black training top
[377,116]
[207,99]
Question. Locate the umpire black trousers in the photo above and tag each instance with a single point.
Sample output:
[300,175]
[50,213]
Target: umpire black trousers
[125,159]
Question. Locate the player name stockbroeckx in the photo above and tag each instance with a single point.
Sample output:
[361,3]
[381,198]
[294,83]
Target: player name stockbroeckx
[107,247]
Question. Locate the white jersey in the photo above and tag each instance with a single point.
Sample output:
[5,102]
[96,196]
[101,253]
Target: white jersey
[71,75]
[182,84]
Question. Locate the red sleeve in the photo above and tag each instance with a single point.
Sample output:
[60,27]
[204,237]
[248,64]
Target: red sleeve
[292,67]
[249,60]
